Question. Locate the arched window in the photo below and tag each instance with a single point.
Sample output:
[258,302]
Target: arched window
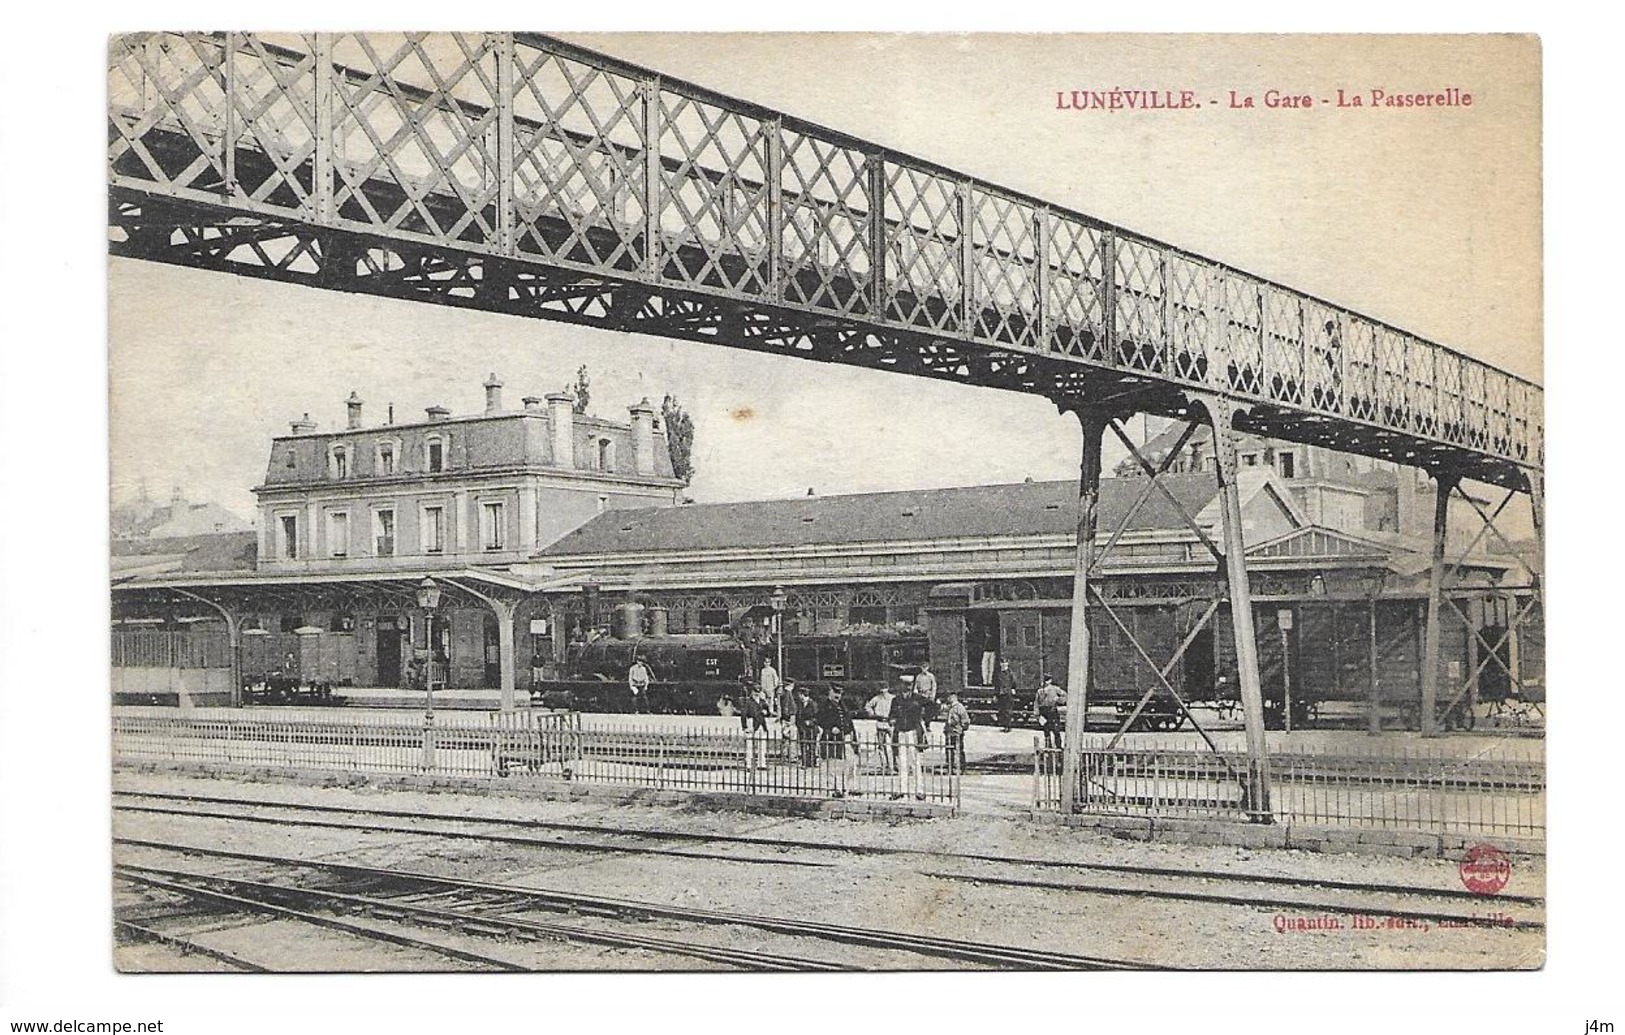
[338,461]
[606,454]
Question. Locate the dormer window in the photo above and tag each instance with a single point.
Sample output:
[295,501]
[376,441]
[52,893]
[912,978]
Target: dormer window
[606,455]
[386,459]
[436,454]
[338,462]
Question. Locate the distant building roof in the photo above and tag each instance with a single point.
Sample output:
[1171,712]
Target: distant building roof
[147,518]
[1020,509]
[212,552]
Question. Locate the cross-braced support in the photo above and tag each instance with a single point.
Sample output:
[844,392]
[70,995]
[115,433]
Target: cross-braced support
[1153,484]
[1222,413]
[1482,651]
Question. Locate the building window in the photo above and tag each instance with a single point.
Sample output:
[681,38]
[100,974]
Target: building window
[287,526]
[338,533]
[873,615]
[1249,459]
[434,529]
[437,456]
[383,533]
[606,455]
[493,526]
[338,462]
[386,458]
[712,620]
[1289,465]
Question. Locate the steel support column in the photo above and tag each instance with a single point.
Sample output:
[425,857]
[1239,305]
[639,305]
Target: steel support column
[1257,789]
[504,609]
[1094,425]
[1537,511]
[1444,484]
[234,643]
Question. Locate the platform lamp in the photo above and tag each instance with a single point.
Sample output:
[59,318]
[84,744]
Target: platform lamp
[428,600]
[780,598]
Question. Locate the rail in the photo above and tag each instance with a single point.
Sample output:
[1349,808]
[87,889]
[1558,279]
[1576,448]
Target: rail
[527,148]
[1391,787]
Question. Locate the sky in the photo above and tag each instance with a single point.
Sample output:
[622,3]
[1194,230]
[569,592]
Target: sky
[1428,219]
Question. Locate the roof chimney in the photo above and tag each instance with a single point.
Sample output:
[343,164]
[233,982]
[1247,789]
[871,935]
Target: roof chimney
[562,415]
[643,437]
[493,394]
[303,426]
[437,413]
[533,404]
[352,406]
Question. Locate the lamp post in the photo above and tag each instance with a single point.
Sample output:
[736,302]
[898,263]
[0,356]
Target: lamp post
[428,600]
[1373,582]
[779,600]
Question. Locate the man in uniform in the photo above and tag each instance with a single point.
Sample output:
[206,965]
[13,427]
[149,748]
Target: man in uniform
[753,720]
[1004,688]
[838,742]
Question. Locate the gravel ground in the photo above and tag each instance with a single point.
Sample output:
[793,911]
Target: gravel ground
[876,890]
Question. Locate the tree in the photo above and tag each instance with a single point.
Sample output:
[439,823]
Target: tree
[679,438]
[582,389]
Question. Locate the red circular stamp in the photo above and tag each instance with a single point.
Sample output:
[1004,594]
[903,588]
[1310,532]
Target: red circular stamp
[1485,870]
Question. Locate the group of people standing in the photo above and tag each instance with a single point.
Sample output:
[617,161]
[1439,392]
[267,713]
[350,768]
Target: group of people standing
[825,731]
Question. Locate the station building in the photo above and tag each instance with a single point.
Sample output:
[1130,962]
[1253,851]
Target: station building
[536,523]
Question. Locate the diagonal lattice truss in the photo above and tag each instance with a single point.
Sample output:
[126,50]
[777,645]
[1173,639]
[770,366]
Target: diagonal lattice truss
[520,174]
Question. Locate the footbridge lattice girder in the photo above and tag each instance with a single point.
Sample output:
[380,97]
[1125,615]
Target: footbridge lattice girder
[520,174]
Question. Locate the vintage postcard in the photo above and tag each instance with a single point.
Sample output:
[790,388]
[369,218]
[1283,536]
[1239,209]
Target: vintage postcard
[826,502]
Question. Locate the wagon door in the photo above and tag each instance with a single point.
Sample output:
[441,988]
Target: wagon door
[1023,638]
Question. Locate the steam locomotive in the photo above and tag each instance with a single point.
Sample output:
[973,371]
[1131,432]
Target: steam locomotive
[707,673]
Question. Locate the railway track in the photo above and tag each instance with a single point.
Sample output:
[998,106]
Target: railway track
[1224,888]
[322,893]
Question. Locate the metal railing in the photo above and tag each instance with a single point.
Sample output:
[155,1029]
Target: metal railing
[1427,788]
[554,746]
[770,764]
[460,746]
[529,148]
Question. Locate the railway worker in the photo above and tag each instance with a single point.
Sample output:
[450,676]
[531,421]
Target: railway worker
[1004,688]
[638,678]
[908,719]
[956,720]
[925,684]
[807,727]
[838,739]
[753,721]
[1047,710]
[878,708]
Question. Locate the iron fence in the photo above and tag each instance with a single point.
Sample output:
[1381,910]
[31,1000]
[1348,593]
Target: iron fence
[1424,788]
[550,746]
